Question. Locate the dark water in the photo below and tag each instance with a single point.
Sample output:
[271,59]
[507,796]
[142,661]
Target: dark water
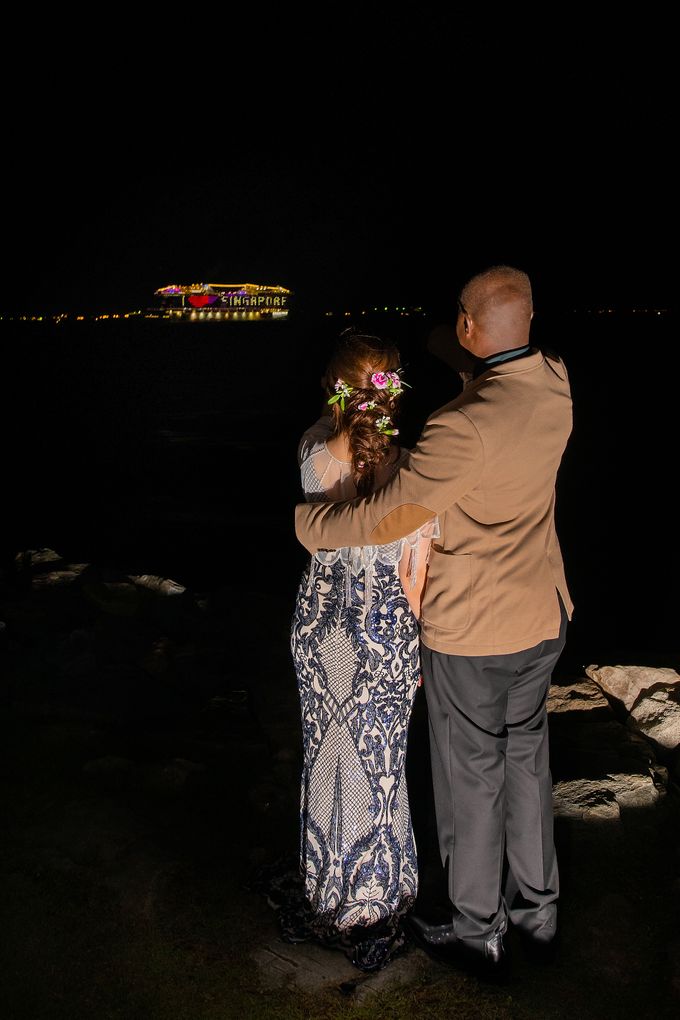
[170,449]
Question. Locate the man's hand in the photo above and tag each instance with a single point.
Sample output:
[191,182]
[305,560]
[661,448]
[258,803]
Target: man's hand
[444,344]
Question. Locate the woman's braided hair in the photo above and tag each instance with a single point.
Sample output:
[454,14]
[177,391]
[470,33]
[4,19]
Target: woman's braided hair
[361,414]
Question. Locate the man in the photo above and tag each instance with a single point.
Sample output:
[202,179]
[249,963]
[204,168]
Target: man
[493,616]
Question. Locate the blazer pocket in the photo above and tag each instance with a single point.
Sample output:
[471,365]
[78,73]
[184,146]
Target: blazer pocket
[449,590]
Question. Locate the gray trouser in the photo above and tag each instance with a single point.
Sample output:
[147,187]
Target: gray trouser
[492,785]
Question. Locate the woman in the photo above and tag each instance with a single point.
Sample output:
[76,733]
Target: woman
[355,644]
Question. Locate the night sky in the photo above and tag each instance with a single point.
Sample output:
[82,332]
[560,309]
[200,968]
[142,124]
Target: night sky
[367,158]
[354,161]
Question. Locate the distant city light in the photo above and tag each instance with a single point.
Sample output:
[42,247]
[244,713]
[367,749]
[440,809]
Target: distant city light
[267,313]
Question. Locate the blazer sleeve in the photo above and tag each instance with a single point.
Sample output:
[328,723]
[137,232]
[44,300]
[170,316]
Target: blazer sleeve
[445,465]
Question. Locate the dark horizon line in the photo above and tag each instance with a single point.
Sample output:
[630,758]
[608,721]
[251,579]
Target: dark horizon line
[403,311]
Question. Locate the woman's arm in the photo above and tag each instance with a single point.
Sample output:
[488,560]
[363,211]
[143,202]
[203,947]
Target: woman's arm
[413,565]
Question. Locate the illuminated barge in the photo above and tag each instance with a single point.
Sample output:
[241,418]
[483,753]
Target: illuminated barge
[221,302]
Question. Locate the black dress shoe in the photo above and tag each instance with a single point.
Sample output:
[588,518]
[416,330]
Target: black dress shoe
[437,940]
[494,950]
[484,957]
[430,934]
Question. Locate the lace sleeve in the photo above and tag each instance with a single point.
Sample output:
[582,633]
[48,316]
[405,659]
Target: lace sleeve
[314,437]
[417,545]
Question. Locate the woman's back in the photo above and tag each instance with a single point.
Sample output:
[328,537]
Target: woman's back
[327,477]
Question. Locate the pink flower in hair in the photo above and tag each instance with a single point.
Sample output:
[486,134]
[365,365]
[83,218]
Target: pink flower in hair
[367,405]
[380,380]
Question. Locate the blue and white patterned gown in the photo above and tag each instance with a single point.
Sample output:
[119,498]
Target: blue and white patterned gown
[355,645]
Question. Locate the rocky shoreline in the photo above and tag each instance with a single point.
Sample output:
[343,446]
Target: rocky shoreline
[149,770]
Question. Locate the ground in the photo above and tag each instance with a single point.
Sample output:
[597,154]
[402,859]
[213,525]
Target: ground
[147,783]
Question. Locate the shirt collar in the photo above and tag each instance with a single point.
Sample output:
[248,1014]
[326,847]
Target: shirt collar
[516,352]
[481,364]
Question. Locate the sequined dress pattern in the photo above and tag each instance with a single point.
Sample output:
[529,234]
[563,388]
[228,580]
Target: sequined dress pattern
[355,646]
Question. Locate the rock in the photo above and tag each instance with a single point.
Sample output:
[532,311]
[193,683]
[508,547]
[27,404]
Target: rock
[312,967]
[38,559]
[586,739]
[656,713]
[401,970]
[599,765]
[228,716]
[116,597]
[55,579]
[315,968]
[576,697]
[603,798]
[61,578]
[162,585]
[625,683]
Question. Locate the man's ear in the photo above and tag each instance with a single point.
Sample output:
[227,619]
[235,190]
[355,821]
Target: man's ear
[466,325]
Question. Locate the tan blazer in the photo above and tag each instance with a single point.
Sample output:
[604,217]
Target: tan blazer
[486,464]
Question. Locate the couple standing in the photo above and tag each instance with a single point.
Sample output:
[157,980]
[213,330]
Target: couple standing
[442,560]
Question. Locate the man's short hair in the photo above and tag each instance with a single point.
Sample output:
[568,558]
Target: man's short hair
[499,298]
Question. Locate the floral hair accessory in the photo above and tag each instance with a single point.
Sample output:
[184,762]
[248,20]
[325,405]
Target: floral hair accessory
[342,392]
[389,381]
[382,424]
[368,405]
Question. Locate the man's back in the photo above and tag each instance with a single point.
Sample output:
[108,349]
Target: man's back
[493,573]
